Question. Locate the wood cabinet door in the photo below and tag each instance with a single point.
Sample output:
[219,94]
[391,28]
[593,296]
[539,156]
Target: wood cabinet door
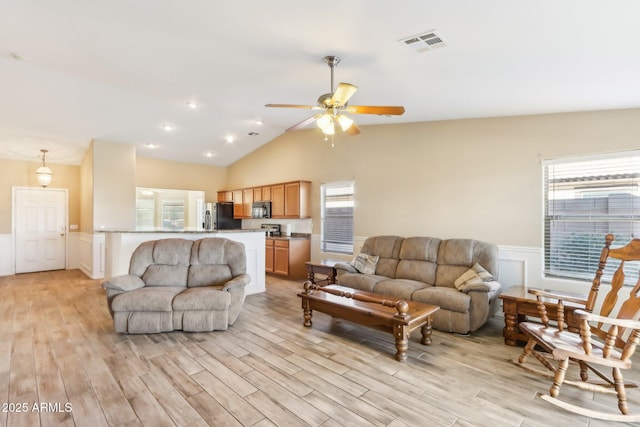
[269,254]
[257,194]
[281,260]
[247,202]
[238,210]
[292,199]
[266,194]
[277,201]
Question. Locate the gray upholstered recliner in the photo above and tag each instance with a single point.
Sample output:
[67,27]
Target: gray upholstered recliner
[179,284]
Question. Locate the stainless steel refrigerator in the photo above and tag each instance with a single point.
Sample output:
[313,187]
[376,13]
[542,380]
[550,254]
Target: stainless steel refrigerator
[222,216]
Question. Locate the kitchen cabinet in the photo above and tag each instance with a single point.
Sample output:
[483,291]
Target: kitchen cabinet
[269,252]
[277,201]
[238,208]
[288,200]
[287,257]
[225,196]
[266,194]
[247,202]
[297,197]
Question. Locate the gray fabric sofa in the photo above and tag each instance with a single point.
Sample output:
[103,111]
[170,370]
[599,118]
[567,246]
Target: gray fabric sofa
[425,269]
[179,284]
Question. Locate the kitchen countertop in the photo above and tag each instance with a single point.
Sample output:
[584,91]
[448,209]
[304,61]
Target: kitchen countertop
[294,236]
[187,230]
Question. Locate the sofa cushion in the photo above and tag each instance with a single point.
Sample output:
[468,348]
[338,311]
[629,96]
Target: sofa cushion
[363,282]
[166,275]
[475,275]
[155,298]
[399,288]
[220,251]
[365,263]
[418,256]
[163,262]
[444,297]
[202,298]
[208,275]
[387,248]
[456,256]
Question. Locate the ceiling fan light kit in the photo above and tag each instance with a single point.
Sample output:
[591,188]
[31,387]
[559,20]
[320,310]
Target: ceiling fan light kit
[334,104]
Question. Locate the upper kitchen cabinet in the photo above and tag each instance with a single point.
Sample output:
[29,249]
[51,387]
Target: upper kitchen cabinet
[288,200]
[291,200]
[225,196]
[247,202]
[238,207]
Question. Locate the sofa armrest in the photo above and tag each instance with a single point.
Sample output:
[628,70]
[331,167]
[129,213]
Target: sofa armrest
[237,282]
[124,283]
[343,267]
[492,287]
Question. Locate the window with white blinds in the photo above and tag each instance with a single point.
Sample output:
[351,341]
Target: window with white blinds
[173,214]
[584,199]
[337,217]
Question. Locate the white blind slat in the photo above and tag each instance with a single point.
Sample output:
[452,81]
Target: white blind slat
[585,200]
[337,217]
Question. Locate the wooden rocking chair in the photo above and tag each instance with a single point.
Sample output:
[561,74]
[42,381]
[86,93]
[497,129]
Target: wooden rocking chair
[616,339]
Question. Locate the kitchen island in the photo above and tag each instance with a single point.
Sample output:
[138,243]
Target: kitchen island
[119,245]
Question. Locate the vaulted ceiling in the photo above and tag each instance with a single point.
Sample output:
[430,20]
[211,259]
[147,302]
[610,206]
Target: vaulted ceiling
[75,70]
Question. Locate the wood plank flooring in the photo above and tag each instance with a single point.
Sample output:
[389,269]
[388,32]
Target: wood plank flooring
[58,349]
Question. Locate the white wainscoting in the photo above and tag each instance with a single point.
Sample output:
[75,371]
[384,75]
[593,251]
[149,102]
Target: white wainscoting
[90,254]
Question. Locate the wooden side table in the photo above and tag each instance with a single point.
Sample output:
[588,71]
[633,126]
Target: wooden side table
[324,267]
[517,304]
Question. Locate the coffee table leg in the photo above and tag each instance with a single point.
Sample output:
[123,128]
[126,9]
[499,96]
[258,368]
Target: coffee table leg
[426,331]
[306,308]
[401,334]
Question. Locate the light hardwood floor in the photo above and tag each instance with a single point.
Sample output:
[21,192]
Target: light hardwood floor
[57,347]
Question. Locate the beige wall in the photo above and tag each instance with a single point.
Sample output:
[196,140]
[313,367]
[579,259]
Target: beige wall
[477,178]
[180,176]
[16,173]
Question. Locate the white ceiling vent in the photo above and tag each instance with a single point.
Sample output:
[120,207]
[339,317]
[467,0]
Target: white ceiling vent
[424,42]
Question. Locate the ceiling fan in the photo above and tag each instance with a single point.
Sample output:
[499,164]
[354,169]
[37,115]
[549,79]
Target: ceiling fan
[333,106]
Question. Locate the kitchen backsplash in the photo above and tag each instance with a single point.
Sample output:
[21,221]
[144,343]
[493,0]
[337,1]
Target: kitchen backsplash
[304,226]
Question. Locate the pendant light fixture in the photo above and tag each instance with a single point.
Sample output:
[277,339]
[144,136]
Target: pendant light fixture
[43,173]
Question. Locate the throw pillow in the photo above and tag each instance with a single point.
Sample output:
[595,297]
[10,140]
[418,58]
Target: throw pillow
[474,275]
[365,263]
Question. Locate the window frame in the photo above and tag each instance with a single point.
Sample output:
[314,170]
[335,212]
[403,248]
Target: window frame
[333,244]
[584,198]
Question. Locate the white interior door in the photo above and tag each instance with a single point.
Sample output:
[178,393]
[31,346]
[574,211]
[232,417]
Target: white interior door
[40,227]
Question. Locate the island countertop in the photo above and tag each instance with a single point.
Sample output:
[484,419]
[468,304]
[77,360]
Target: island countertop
[187,231]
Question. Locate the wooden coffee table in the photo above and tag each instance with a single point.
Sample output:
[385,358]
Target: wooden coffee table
[378,311]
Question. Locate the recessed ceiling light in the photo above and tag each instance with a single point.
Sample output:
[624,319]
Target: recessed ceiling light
[167,127]
[258,122]
[229,139]
[18,57]
[193,105]
[151,145]
[209,154]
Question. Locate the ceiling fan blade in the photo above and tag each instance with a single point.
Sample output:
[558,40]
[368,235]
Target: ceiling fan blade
[303,123]
[353,129]
[371,109]
[308,107]
[342,94]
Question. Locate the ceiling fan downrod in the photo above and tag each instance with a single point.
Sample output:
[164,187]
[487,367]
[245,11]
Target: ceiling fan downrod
[332,62]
